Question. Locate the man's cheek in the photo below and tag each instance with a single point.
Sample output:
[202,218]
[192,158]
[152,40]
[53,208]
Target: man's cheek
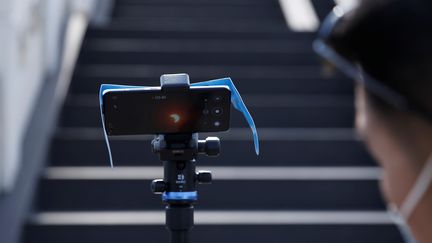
[361,125]
[360,112]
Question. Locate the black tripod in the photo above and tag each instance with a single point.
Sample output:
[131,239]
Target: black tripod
[178,188]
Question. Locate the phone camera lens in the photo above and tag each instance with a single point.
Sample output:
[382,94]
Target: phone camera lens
[216,123]
[218,98]
[217,111]
[205,111]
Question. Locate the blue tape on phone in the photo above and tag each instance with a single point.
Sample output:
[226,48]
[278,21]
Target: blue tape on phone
[236,101]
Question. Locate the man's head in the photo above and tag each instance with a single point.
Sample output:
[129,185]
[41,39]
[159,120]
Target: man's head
[391,41]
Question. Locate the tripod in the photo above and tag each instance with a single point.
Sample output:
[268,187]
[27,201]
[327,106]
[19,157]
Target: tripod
[178,151]
[178,187]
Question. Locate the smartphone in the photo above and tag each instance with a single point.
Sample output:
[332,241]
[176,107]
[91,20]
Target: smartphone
[156,111]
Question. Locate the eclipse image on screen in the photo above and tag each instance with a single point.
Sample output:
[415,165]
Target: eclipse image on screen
[175,115]
[175,118]
[201,109]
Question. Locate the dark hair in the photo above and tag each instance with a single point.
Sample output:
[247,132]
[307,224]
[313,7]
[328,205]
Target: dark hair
[392,41]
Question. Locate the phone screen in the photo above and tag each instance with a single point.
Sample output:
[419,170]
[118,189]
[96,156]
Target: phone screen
[154,111]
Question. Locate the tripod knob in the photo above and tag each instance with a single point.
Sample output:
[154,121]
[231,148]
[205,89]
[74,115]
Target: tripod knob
[210,147]
[158,186]
[204,177]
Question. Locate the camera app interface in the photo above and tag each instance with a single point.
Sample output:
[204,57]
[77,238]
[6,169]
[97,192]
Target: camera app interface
[153,111]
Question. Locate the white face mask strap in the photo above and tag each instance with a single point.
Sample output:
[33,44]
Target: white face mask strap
[418,190]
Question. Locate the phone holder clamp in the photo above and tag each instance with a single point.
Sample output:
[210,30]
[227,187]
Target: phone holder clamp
[178,153]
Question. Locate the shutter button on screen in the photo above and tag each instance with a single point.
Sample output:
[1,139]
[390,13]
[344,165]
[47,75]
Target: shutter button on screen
[217,111]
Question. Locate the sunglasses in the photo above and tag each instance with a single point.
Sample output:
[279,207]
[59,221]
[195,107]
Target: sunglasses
[354,70]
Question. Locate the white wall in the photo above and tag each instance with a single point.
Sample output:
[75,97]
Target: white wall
[21,76]
[30,46]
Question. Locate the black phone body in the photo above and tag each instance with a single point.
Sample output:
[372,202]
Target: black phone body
[157,111]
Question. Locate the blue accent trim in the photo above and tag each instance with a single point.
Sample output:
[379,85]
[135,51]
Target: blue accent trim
[176,196]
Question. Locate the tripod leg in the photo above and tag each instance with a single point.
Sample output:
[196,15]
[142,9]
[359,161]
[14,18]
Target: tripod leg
[179,221]
[179,236]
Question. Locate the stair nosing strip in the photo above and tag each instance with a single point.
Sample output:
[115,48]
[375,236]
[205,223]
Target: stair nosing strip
[215,218]
[258,173]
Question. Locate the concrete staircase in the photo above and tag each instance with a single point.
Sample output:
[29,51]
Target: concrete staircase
[313,182]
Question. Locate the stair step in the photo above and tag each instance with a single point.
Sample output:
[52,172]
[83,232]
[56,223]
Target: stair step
[196,2]
[221,58]
[222,26]
[337,85]
[234,134]
[216,233]
[128,193]
[199,11]
[206,33]
[278,148]
[176,45]
[198,72]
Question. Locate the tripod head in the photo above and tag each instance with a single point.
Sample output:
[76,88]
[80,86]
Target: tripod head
[178,153]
